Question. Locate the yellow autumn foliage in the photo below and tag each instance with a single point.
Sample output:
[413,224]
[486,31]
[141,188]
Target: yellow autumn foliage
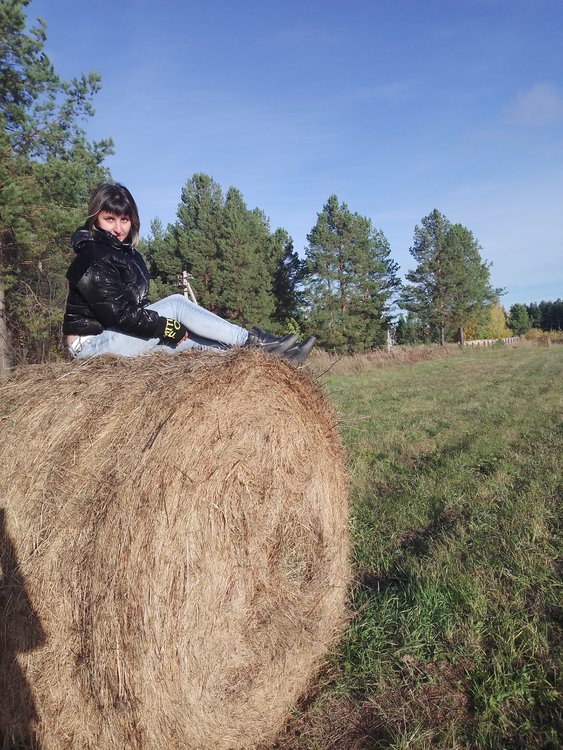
[489,323]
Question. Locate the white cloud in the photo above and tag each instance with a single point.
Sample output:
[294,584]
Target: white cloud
[538,105]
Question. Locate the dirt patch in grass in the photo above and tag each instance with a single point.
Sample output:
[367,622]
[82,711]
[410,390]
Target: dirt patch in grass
[433,696]
[440,693]
[336,724]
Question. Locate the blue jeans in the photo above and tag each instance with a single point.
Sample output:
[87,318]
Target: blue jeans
[205,331]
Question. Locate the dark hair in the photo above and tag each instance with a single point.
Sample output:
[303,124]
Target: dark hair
[116,199]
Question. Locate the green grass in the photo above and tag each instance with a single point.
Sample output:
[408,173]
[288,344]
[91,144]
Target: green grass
[456,637]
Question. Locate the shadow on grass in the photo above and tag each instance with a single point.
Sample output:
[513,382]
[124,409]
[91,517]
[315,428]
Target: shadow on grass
[417,543]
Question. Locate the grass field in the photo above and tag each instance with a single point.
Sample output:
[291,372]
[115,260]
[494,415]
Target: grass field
[455,639]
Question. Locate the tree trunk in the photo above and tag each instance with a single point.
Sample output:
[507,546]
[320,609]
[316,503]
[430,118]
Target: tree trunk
[442,335]
[461,337]
[4,345]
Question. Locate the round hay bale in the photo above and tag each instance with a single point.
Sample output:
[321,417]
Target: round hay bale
[174,550]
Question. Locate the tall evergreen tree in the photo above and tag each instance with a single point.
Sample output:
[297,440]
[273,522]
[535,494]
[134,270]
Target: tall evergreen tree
[196,237]
[240,270]
[409,330]
[557,315]
[550,314]
[288,273]
[350,280]
[533,311]
[546,315]
[451,281]
[47,169]
[244,267]
[159,251]
[519,321]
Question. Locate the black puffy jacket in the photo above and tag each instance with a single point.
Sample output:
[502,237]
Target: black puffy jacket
[108,286]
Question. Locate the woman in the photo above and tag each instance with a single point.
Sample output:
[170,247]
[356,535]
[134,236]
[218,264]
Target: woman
[107,310]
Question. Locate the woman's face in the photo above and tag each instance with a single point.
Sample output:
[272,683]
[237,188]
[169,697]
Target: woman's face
[119,226]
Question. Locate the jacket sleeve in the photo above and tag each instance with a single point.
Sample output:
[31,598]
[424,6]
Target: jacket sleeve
[112,302]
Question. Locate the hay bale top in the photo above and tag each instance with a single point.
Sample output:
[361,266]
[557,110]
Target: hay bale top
[157,387]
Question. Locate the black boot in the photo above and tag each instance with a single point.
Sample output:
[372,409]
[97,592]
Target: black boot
[298,353]
[268,342]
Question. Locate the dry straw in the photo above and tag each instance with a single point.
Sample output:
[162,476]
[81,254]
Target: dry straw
[174,550]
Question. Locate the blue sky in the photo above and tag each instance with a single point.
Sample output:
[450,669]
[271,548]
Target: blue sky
[397,107]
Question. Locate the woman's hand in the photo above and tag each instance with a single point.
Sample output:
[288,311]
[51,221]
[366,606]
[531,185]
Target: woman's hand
[171,331]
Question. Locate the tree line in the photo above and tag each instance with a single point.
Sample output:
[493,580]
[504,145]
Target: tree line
[546,316]
[342,290]
[345,289]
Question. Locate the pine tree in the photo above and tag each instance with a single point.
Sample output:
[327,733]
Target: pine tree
[240,270]
[557,315]
[451,281]
[546,315]
[519,321]
[288,272]
[159,251]
[533,314]
[350,280]
[409,330]
[244,267]
[550,315]
[196,236]
[47,170]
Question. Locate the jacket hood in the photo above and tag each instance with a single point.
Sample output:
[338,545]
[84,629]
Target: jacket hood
[83,236]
